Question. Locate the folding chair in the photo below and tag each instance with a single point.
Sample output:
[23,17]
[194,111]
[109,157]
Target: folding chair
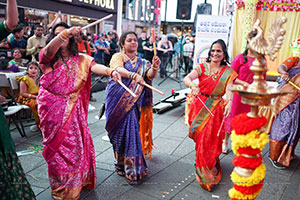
[13,111]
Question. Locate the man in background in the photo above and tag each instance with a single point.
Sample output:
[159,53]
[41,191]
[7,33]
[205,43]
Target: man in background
[19,41]
[142,41]
[83,45]
[36,42]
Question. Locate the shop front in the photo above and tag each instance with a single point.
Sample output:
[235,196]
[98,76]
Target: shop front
[74,12]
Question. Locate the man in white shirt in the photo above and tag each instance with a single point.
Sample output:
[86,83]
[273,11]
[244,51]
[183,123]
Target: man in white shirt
[188,49]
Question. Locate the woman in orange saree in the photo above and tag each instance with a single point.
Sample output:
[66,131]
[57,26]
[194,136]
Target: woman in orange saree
[63,107]
[207,112]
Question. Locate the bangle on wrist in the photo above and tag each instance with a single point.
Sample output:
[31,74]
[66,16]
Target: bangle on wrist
[192,85]
[64,36]
[154,68]
[108,71]
[131,75]
[112,71]
[134,76]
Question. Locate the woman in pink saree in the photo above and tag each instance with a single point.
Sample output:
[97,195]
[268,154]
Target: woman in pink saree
[63,107]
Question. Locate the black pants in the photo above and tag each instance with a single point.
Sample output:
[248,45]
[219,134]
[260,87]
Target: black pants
[187,64]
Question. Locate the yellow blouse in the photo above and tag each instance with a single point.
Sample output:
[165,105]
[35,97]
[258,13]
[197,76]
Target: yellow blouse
[32,88]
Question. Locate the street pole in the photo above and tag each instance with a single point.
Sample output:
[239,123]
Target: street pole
[119,17]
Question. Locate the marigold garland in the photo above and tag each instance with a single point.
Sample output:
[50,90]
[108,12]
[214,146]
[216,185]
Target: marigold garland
[234,194]
[248,150]
[257,176]
[249,190]
[248,163]
[255,139]
[248,141]
[248,124]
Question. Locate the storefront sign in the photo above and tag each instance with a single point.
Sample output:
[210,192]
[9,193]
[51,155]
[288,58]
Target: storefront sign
[103,4]
[209,29]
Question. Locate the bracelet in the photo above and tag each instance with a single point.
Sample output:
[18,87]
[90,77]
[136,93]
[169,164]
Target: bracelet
[112,71]
[132,75]
[64,36]
[5,26]
[108,71]
[154,68]
[192,85]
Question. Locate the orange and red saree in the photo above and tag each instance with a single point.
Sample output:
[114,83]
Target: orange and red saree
[204,127]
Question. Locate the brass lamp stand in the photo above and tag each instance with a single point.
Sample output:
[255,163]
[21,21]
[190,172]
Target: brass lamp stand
[248,181]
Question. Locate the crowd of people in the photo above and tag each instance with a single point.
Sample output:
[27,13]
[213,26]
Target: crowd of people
[59,64]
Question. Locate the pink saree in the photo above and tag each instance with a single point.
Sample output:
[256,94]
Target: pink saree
[63,107]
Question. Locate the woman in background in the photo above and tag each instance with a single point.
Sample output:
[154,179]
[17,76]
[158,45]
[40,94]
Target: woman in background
[29,88]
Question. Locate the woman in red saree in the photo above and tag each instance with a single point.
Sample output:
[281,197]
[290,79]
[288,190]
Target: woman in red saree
[63,107]
[206,129]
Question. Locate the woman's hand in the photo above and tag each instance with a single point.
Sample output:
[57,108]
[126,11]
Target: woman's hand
[285,76]
[195,91]
[116,76]
[227,109]
[139,79]
[156,62]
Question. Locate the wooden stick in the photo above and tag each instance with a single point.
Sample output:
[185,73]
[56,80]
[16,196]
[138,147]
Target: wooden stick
[154,45]
[154,89]
[98,21]
[126,88]
[293,84]
[221,126]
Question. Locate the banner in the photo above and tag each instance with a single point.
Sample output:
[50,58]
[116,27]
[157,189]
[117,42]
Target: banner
[209,28]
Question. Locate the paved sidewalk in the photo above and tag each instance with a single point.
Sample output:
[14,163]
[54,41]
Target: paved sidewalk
[171,170]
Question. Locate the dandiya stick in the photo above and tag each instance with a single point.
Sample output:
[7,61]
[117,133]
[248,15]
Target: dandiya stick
[154,45]
[126,88]
[221,126]
[205,106]
[295,86]
[98,21]
[154,89]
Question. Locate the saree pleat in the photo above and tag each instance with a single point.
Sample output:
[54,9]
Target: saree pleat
[204,128]
[123,113]
[63,108]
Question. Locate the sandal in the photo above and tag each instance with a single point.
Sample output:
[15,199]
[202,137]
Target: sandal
[120,172]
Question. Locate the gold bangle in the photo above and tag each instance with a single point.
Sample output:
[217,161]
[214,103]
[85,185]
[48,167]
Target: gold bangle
[154,68]
[108,71]
[134,76]
[192,85]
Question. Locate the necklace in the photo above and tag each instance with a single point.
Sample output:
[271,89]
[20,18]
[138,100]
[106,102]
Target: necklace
[72,72]
[214,75]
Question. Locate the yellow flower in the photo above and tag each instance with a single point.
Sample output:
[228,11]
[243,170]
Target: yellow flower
[233,193]
[257,176]
[255,139]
